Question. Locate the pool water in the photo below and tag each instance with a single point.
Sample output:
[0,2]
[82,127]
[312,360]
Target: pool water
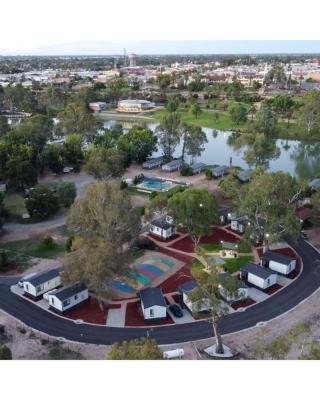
[155,184]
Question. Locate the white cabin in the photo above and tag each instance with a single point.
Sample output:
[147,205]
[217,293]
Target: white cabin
[35,286]
[185,290]
[153,304]
[258,276]
[68,298]
[162,228]
[278,262]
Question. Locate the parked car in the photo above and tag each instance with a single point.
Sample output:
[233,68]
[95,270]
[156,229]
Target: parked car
[67,170]
[25,278]
[176,310]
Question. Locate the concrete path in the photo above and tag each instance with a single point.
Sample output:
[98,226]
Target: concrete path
[257,295]
[117,316]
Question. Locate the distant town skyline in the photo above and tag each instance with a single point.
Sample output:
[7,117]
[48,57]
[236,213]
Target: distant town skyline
[115,47]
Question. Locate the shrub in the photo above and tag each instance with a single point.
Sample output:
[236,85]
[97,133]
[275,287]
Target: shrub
[69,243]
[5,353]
[4,261]
[123,185]
[138,179]
[209,175]
[145,243]
[186,170]
[153,195]
[47,242]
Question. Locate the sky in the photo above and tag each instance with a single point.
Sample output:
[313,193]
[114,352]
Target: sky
[35,27]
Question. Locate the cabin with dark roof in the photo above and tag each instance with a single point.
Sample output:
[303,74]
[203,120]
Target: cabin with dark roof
[278,262]
[152,163]
[261,277]
[227,281]
[37,285]
[153,304]
[68,298]
[162,228]
[186,290]
[173,165]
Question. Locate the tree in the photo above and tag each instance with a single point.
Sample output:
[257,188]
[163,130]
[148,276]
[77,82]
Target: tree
[104,163]
[238,113]
[53,100]
[315,201]
[172,105]
[193,138]
[208,295]
[72,149]
[19,169]
[269,201]
[42,202]
[106,212]
[97,263]
[168,132]
[53,158]
[284,106]
[66,192]
[4,126]
[157,206]
[17,98]
[230,187]
[194,209]
[143,349]
[164,81]
[138,144]
[76,118]
[5,353]
[308,115]
[266,121]
[195,110]
[1,209]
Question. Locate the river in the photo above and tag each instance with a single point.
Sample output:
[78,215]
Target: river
[299,158]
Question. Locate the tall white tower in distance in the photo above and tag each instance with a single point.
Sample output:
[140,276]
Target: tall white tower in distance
[132,60]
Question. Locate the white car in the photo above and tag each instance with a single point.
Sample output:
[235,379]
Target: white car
[67,170]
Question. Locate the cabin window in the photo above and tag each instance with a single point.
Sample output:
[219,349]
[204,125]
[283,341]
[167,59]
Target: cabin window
[151,312]
[39,288]
[66,302]
[268,281]
[52,300]
[76,297]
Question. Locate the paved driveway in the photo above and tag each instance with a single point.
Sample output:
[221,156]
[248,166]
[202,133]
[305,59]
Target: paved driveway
[281,302]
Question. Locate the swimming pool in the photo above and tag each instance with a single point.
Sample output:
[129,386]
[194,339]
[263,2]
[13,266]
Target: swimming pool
[155,184]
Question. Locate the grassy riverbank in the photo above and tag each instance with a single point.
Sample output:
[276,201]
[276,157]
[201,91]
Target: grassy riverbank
[224,123]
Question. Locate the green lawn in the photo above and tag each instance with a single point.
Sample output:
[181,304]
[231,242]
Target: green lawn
[15,204]
[32,248]
[211,248]
[234,264]
[224,123]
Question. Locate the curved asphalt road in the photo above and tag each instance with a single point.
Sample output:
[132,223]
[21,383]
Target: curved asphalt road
[286,299]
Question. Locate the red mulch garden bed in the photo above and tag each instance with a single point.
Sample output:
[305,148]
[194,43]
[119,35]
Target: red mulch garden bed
[273,289]
[177,298]
[243,304]
[133,317]
[91,312]
[186,244]
[183,275]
